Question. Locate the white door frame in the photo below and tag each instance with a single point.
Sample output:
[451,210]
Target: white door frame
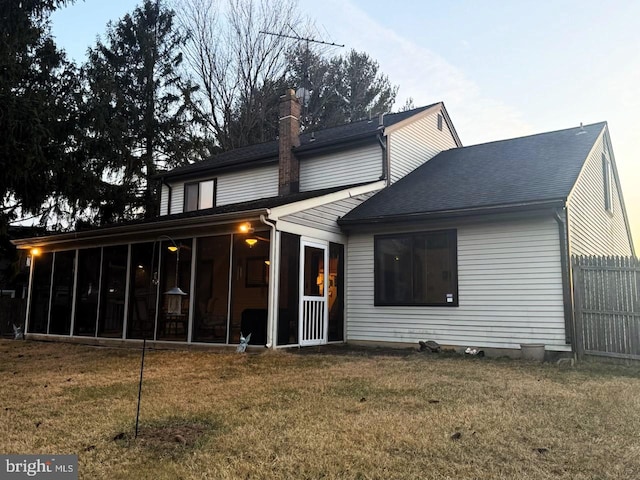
[313,315]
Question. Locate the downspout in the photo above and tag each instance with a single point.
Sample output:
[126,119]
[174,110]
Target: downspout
[385,159]
[27,313]
[567,297]
[164,182]
[273,278]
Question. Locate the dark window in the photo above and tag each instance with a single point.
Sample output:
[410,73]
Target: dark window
[199,195]
[608,190]
[190,197]
[439,122]
[416,269]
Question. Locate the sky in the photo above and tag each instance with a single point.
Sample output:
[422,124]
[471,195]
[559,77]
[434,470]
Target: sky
[502,69]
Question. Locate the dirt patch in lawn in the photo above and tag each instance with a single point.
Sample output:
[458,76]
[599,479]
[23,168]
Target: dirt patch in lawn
[172,436]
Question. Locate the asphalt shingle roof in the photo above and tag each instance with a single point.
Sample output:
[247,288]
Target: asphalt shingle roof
[523,170]
[317,139]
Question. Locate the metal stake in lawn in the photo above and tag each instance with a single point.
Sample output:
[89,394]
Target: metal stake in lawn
[144,347]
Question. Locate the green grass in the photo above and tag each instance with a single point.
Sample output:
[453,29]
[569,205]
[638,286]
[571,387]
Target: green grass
[328,414]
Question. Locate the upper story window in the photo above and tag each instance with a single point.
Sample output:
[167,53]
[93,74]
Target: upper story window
[608,187]
[199,195]
[416,269]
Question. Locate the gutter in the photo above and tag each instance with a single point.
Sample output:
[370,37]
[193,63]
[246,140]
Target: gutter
[567,298]
[448,214]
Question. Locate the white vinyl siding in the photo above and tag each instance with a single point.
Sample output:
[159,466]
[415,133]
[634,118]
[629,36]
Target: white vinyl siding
[324,217]
[234,187]
[509,291]
[358,165]
[417,142]
[164,200]
[246,185]
[592,229]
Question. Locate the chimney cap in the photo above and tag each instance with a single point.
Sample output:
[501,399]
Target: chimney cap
[289,94]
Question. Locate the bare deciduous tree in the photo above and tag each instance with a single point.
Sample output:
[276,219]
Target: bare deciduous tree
[237,65]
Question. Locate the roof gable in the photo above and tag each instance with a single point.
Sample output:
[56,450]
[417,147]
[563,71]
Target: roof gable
[267,152]
[525,170]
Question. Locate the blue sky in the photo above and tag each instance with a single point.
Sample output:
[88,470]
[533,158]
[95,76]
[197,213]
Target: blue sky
[503,69]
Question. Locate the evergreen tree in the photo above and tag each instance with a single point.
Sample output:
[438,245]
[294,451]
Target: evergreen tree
[139,115]
[42,174]
[342,89]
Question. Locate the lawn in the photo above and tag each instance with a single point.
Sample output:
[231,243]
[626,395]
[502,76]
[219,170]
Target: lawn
[338,413]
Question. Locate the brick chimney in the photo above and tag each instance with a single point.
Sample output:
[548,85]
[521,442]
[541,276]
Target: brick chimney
[289,137]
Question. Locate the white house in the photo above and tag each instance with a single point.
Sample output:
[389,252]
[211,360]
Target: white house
[381,230]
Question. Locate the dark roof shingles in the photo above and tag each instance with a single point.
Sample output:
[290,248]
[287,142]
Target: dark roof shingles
[531,169]
[327,136]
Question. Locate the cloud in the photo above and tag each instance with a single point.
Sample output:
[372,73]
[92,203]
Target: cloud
[422,74]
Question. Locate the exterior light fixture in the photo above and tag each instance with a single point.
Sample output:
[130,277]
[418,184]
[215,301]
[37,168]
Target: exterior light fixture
[246,228]
[251,242]
[35,251]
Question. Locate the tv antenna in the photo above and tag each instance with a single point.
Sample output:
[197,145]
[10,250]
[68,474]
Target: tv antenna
[304,91]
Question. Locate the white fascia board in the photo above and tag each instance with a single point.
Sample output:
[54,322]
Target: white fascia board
[413,118]
[310,232]
[294,207]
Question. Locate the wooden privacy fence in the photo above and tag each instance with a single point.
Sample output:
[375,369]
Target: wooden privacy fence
[607,306]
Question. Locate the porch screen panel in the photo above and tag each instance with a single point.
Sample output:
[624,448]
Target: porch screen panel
[289,291]
[335,284]
[172,324]
[112,292]
[62,293]
[143,293]
[250,288]
[40,293]
[87,292]
[212,289]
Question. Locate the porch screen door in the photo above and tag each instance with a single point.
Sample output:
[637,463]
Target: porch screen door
[313,293]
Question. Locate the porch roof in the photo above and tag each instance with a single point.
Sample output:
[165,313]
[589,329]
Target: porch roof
[144,229]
